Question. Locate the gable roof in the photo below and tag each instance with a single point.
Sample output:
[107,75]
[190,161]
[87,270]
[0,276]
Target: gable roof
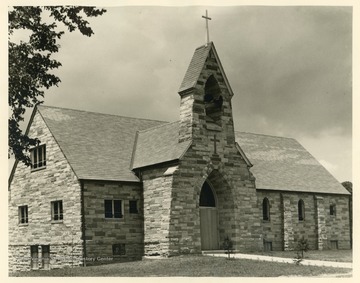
[283,164]
[105,147]
[196,66]
[157,145]
[97,146]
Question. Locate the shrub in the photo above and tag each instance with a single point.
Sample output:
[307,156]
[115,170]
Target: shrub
[228,246]
[302,246]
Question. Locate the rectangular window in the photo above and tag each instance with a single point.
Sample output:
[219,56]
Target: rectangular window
[113,209]
[23,214]
[334,245]
[267,246]
[118,249]
[133,207]
[34,253]
[38,157]
[45,252]
[333,209]
[57,210]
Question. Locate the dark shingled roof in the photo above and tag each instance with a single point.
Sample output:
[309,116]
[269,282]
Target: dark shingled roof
[283,164]
[97,146]
[158,144]
[196,66]
[103,147]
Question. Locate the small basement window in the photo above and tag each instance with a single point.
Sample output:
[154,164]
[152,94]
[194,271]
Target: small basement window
[118,249]
[334,245]
[34,255]
[45,249]
[267,246]
[38,157]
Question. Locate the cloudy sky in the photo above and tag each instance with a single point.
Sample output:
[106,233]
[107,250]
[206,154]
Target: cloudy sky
[290,69]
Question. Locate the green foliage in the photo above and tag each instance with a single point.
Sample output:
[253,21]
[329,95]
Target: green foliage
[302,246]
[189,266]
[30,63]
[347,185]
[228,246]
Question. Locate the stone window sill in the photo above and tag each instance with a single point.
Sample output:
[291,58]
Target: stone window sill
[114,219]
[38,169]
[266,221]
[23,224]
[57,221]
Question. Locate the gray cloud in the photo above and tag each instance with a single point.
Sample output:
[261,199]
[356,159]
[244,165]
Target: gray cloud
[290,67]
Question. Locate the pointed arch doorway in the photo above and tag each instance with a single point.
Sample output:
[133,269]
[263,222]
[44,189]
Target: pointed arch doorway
[208,218]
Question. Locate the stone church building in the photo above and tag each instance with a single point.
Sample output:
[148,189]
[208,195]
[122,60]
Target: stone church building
[103,187]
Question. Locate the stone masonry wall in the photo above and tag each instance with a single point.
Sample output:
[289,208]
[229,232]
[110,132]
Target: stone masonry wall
[101,233]
[301,228]
[320,222]
[37,189]
[319,227]
[337,226]
[157,192]
[213,155]
[272,230]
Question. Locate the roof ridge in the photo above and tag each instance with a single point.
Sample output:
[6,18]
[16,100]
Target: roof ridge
[100,113]
[266,135]
[158,126]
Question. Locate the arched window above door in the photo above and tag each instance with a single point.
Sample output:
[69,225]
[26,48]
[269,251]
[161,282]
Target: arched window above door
[207,197]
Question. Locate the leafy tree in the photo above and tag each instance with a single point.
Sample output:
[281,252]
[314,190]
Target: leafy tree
[30,62]
[347,185]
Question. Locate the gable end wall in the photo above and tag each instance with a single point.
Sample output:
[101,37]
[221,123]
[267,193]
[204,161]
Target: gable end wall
[36,190]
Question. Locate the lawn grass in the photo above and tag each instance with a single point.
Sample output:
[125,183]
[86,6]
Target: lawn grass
[327,255]
[191,265]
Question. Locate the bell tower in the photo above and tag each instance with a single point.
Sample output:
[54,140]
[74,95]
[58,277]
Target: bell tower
[205,107]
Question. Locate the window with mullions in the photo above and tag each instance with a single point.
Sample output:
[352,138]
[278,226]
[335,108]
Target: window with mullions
[57,210]
[113,209]
[301,210]
[38,157]
[23,214]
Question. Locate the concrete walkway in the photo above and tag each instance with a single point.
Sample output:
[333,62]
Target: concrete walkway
[280,259]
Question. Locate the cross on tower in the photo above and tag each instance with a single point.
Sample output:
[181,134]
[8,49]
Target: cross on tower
[215,140]
[207,26]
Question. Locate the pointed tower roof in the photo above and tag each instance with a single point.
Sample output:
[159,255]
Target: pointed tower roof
[196,66]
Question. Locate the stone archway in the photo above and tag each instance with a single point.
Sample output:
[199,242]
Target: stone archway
[219,208]
[208,218]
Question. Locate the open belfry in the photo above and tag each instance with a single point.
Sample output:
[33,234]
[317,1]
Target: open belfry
[106,188]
